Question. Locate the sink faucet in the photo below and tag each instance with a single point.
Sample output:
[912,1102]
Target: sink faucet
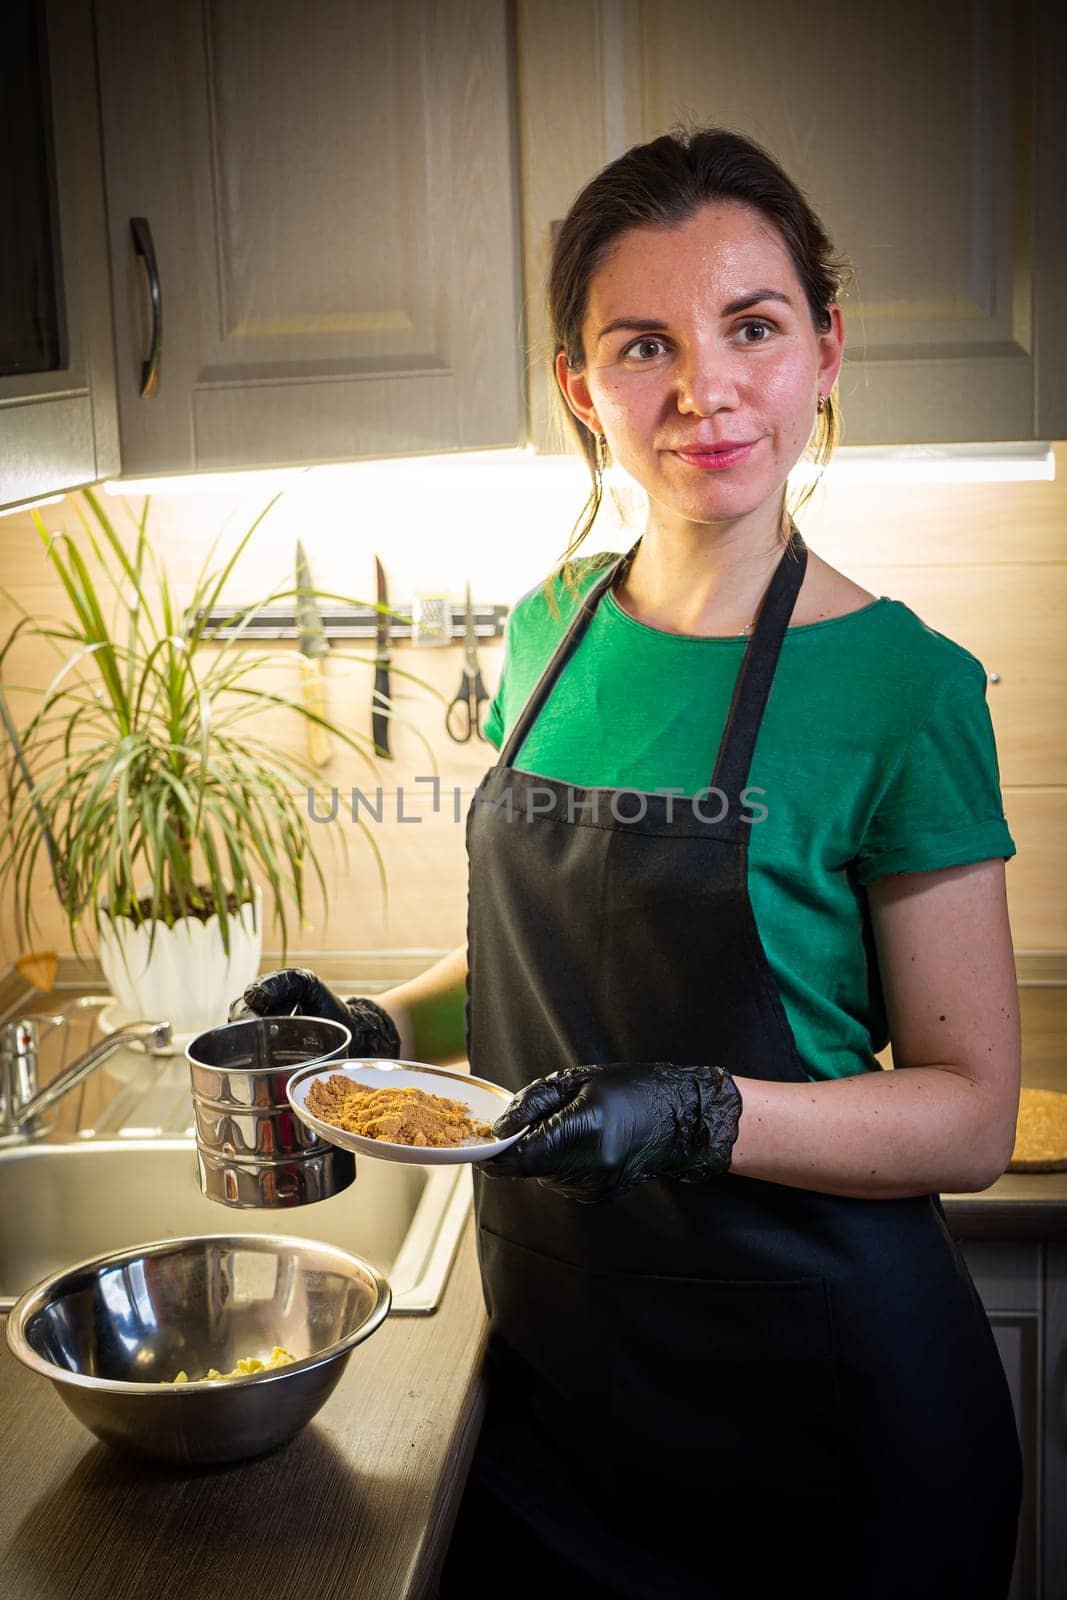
[21,1102]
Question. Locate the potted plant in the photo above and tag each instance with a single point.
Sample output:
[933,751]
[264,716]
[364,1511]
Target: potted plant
[142,776]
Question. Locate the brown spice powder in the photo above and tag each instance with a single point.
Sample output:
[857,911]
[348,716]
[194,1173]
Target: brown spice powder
[400,1116]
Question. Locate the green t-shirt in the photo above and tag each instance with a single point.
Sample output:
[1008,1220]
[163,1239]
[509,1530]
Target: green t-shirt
[876,755]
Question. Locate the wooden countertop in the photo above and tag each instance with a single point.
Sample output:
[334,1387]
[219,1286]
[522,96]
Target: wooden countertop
[1020,1205]
[361,1503]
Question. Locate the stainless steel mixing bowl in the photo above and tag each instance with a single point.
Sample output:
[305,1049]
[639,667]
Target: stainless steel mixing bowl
[112,1333]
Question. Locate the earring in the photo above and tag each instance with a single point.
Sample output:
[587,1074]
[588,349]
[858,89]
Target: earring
[601,452]
[822,403]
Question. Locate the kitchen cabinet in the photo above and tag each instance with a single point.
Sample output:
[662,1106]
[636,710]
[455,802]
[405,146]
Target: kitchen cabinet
[329,263]
[58,425]
[331,204]
[1023,1286]
[931,141]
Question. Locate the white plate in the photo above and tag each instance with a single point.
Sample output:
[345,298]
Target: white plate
[485,1100]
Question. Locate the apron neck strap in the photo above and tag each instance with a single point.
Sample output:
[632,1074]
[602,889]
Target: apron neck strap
[752,686]
[570,641]
[751,689]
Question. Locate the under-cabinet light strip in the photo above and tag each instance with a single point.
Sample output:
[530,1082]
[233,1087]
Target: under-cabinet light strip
[850,464]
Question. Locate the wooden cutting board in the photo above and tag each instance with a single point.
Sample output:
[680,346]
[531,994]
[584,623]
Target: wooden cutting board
[1040,1132]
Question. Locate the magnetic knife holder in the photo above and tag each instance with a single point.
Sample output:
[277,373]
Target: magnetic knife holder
[348,622]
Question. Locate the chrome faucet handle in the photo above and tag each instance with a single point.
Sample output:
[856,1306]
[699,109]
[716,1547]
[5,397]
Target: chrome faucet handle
[18,1115]
[19,1042]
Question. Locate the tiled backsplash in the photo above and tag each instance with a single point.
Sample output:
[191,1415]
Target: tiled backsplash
[983,563]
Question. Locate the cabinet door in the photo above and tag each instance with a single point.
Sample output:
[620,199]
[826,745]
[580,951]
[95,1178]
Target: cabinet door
[57,392]
[931,141]
[330,197]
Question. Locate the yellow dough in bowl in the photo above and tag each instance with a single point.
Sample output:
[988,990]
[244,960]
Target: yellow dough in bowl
[247,1364]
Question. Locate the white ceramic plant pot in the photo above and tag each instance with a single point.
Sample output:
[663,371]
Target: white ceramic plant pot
[188,980]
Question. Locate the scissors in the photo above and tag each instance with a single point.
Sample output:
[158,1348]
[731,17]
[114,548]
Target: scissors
[464,715]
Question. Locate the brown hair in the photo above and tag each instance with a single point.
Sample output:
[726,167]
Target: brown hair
[665,182]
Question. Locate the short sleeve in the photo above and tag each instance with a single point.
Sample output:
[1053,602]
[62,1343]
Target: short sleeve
[493,726]
[942,806]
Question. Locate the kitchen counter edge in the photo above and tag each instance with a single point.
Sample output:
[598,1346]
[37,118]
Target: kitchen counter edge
[362,1502]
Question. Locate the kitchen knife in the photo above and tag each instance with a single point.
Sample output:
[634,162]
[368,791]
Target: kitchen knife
[380,704]
[313,652]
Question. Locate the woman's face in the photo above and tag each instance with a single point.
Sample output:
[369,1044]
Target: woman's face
[676,366]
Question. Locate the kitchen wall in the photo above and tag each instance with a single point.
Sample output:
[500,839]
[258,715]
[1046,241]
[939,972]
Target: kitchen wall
[984,563]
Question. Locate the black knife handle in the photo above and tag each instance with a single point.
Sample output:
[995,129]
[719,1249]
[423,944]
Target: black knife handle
[381,705]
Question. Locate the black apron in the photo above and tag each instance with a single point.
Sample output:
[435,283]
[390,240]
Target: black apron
[712,1389]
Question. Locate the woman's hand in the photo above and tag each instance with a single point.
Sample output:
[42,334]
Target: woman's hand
[296,991]
[595,1132]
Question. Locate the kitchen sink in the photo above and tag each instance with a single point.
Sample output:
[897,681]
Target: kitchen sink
[63,1202]
[116,1166]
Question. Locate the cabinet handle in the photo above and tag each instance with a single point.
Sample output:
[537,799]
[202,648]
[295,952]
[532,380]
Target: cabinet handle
[142,244]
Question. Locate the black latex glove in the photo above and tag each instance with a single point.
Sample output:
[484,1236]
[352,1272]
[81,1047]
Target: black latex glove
[598,1131]
[295,990]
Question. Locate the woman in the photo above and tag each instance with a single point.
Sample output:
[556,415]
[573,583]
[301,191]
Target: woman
[745,827]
